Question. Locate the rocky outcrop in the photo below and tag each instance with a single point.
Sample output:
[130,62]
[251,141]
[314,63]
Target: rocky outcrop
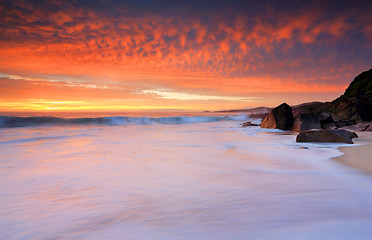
[331,136]
[280,117]
[353,107]
[356,103]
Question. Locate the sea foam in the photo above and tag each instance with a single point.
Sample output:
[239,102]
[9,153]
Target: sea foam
[11,121]
[205,180]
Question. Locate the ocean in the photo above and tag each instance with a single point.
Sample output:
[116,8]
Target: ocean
[170,176]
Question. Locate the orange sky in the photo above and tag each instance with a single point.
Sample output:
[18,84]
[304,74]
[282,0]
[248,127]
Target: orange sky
[177,56]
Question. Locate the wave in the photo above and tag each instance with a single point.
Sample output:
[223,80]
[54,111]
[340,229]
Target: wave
[10,122]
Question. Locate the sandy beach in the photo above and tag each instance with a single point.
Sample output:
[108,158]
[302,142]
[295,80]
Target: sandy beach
[359,156]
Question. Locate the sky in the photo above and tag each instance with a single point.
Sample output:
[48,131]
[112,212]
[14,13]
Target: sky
[106,55]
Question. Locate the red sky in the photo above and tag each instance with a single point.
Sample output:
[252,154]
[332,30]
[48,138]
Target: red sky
[188,55]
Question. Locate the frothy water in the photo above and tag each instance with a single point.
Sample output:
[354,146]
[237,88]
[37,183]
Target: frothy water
[202,180]
[11,121]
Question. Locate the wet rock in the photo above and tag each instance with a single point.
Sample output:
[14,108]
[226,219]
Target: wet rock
[248,124]
[296,125]
[340,136]
[303,148]
[357,127]
[280,117]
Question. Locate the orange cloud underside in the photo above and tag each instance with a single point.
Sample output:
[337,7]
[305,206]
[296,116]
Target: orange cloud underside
[85,60]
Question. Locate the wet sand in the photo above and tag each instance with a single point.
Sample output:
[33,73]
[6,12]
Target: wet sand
[358,156]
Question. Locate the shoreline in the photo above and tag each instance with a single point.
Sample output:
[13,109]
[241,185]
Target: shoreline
[359,157]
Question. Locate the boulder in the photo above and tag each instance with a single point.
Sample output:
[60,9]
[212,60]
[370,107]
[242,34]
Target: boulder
[357,127]
[306,122]
[340,136]
[280,117]
[309,122]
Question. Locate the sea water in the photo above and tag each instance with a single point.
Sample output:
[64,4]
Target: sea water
[173,177]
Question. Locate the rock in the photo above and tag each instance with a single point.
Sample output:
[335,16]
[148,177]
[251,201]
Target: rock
[303,148]
[313,108]
[357,127]
[356,103]
[329,126]
[327,122]
[309,122]
[280,117]
[341,136]
[296,125]
[247,124]
[341,124]
[369,129]
[306,122]
[354,106]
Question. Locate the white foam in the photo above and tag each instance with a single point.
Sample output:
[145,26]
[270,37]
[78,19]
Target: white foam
[206,180]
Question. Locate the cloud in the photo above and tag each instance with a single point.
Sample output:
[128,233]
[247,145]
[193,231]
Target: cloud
[216,48]
[166,94]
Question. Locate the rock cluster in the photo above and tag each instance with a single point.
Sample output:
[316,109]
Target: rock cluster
[330,121]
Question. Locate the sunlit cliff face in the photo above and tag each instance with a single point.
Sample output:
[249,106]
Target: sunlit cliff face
[103,55]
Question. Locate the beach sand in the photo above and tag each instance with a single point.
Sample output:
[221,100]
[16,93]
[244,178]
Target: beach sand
[359,156]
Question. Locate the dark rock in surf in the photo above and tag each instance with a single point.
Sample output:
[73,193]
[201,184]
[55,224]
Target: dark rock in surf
[248,124]
[330,136]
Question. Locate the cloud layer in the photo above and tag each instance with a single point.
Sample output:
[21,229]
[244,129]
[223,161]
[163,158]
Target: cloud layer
[226,48]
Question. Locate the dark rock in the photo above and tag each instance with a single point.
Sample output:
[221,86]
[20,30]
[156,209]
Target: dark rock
[329,126]
[309,122]
[280,117]
[357,127]
[369,128]
[327,122]
[354,106]
[341,136]
[247,124]
[344,123]
[356,103]
[322,110]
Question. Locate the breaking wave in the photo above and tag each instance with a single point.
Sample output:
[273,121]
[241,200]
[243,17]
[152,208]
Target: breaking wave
[9,121]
